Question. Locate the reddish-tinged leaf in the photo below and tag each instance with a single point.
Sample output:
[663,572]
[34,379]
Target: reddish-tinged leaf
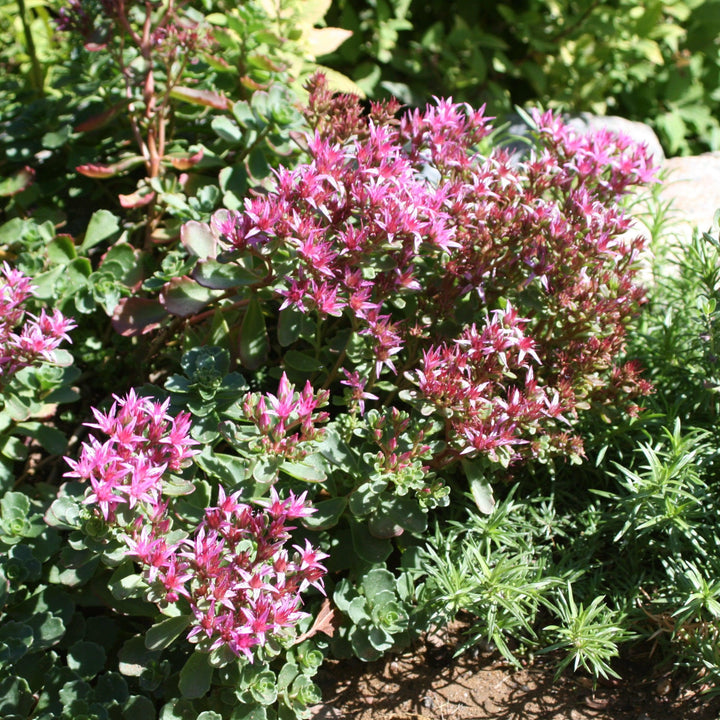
[197,238]
[185,162]
[17,182]
[138,316]
[250,84]
[163,236]
[97,121]
[184,297]
[217,61]
[208,98]
[136,199]
[325,622]
[106,171]
[266,63]
[95,171]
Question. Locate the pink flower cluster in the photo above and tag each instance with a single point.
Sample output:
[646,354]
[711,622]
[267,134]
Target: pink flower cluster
[337,217]
[241,583]
[484,384]
[287,420]
[39,335]
[144,443]
[244,586]
[404,229]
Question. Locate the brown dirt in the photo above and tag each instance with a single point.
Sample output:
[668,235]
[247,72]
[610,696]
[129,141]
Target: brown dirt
[429,684]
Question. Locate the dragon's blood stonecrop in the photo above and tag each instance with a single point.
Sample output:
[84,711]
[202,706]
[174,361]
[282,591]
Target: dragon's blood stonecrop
[26,340]
[231,568]
[490,292]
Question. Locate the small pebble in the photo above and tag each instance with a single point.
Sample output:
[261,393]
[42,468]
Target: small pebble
[664,687]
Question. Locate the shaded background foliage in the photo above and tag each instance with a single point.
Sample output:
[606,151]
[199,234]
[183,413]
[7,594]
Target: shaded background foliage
[654,61]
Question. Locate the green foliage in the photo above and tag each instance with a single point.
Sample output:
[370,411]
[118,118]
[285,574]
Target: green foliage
[75,141]
[655,62]
[32,46]
[589,634]
[377,616]
[633,555]
[53,659]
[263,40]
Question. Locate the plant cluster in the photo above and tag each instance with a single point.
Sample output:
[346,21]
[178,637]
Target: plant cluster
[389,314]
[32,380]
[39,336]
[586,571]
[121,114]
[400,237]
[232,569]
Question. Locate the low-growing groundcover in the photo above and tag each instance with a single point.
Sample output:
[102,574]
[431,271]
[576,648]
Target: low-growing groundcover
[397,382]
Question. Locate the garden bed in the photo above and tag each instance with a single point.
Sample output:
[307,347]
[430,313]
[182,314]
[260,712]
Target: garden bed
[288,377]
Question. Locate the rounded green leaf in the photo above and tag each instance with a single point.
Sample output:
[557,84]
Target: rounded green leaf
[49,630]
[182,296]
[138,707]
[362,647]
[198,239]
[134,657]
[380,639]
[111,687]
[16,698]
[227,130]
[253,344]
[64,514]
[376,581]
[307,470]
[302,362]
[15,640]
[103,227]
[222,276]
[61,250]
[367,547]
[196,676]
[358,610]
[163,634]
[327,514]
[178,709]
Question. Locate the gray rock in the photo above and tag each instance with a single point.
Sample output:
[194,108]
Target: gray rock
[692,184]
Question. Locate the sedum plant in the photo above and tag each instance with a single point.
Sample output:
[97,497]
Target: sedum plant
[490,295]
[407,315]
[218,573]
[34,372]
[414,312]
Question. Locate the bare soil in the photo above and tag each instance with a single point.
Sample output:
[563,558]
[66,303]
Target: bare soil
[428,683]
